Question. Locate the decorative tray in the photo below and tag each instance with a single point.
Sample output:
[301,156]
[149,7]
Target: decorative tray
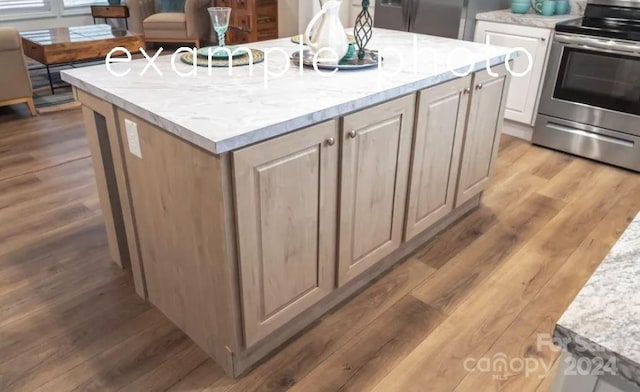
[371,59]
[296,39]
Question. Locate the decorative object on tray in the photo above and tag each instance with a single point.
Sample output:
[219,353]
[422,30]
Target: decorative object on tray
[363,29]
[369,60]
[296,38]
[220,21]
[329,38]
[237,61]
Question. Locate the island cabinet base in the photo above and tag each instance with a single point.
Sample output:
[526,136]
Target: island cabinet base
[244,249]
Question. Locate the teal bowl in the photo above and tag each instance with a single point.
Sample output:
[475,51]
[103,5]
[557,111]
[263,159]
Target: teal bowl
[520,7]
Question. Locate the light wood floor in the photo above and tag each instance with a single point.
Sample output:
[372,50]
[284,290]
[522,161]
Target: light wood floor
[69,319]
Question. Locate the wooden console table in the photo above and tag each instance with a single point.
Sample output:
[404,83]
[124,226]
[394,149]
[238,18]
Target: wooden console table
[67,45]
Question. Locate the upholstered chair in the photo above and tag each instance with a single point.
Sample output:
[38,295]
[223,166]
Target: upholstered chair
[190,25]
[14,78]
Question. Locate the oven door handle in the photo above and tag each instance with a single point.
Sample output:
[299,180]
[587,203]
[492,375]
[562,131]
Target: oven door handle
[598,45]
[591,135]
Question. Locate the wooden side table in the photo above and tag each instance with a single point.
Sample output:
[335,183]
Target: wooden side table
[105,12]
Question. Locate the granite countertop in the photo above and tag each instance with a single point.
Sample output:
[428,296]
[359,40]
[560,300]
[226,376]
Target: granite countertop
[221,113]
[604,319]
[532,19]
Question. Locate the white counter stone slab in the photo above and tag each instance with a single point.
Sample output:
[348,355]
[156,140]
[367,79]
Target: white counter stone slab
[532,18]
[604,319]
[221,113]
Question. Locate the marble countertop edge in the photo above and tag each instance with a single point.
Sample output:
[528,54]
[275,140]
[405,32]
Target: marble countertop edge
[283,127]
[531,18]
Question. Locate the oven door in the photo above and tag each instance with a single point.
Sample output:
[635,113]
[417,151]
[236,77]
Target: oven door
[594,81]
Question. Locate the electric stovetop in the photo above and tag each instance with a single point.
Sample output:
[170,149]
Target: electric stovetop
[607,22]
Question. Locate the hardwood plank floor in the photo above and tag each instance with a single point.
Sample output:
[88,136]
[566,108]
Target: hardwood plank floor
[486,287]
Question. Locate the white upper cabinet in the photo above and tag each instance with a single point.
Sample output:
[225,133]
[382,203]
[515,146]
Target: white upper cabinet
[524,93]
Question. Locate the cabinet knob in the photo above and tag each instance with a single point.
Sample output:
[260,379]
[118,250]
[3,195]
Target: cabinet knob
[352,134]
[543,39]
[467,91]
[479,86]
[331,141]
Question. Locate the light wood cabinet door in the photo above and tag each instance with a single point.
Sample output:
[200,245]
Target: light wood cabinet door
[524,93]
[286,198]
[375,164]
[482,134]
[437,142]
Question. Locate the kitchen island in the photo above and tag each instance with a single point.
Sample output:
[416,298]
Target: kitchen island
[248,205]
[600,331]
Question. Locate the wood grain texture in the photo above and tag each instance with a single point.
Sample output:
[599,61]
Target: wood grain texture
[179,207]
[62,45]
[25,100]
[286,193]
[374,172]
[110,11]
[482,134]
[71,320]
[117,193]
[251,20]
[96,127]
[437,143]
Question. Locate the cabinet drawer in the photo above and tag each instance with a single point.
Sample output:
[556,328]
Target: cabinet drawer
[267,23]
[239,37]
[109,11]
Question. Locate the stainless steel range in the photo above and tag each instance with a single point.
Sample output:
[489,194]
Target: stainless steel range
[590,102]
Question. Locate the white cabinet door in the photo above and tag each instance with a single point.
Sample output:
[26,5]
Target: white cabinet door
[524,92]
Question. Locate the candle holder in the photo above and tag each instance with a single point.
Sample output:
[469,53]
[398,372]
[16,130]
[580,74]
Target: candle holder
[363,29]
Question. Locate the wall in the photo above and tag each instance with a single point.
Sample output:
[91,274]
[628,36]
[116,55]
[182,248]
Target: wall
[288,11]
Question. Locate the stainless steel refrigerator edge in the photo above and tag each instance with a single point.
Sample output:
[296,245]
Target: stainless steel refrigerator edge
[444,18]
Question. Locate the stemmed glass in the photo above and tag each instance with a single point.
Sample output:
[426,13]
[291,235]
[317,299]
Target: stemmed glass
[220,21]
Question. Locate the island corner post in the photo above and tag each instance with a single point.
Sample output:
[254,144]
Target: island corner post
[240,248]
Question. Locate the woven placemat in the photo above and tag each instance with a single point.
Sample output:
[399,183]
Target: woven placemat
[258,57]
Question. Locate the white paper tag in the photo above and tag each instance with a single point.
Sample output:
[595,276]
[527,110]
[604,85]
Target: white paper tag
[132,138]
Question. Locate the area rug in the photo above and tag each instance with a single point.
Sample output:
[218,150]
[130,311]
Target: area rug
[63,98]
[44,100]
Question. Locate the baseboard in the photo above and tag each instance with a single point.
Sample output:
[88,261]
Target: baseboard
[519,130]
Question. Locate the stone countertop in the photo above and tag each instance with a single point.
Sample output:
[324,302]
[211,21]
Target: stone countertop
[221,113]
[604,319]
[532,19]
